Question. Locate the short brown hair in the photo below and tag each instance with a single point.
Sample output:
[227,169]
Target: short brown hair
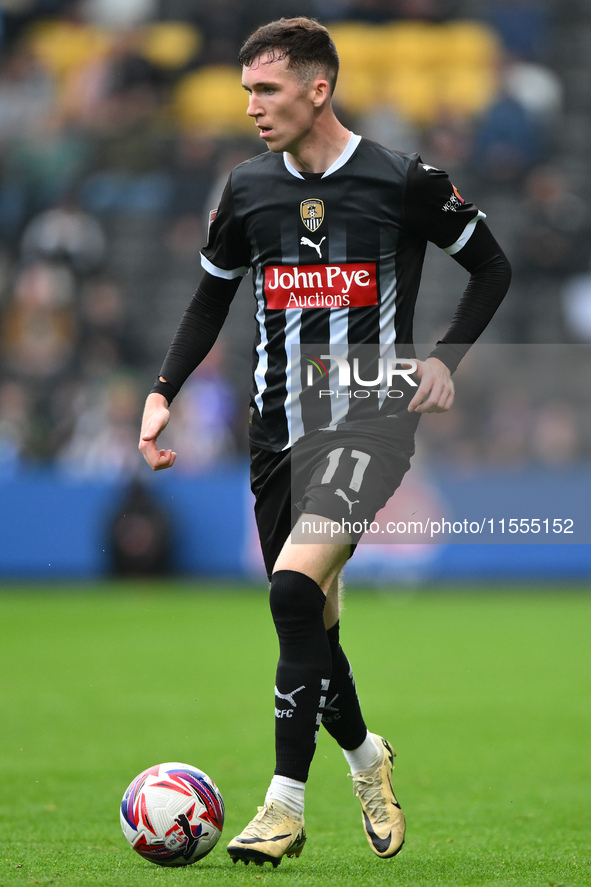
[306,44]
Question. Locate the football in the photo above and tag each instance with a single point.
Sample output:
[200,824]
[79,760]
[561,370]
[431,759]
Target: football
[172,814]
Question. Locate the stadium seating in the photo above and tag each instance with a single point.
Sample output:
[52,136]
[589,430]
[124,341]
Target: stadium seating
[417,68]
[210,99]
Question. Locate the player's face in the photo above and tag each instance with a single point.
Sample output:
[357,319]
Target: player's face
[283,108]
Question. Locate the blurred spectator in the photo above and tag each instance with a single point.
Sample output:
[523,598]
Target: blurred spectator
[205,416]
[39,325]
[128,142]
[458,437]
[66,234]
[537,88]
[576,306]
[385,125]
[555,225]
[15,426]
[551,244]
[40,170]
[518,129]
[507,142]
[105,435]
[139,535]
[27,93]
[447,142]
[193,164]
[185,233]
[115,14]
[90,88]
[104,346]
[515,131]
[524,25]
[117,99]
[554,433]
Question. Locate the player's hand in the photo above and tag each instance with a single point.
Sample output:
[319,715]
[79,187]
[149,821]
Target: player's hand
[435,393]
[155,420]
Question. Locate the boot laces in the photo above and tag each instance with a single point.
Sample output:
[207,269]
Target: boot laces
[267,817]
[369,790]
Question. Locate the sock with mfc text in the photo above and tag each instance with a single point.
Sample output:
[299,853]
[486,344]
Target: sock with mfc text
[342,713]
[303,671]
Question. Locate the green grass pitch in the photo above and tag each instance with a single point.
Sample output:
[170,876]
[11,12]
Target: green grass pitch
[485,696]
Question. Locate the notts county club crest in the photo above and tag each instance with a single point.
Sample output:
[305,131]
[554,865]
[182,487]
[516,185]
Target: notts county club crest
[312,213]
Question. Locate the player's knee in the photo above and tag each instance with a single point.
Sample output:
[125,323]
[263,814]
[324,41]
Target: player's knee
[294,597]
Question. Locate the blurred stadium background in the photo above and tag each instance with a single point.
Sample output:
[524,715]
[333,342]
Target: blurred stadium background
[118,125]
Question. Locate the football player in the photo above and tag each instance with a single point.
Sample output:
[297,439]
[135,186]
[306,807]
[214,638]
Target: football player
[333,228]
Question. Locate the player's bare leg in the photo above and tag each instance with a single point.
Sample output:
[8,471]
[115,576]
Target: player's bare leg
[322,560]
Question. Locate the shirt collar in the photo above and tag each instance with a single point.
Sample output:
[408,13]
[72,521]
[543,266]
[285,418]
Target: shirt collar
[348,152]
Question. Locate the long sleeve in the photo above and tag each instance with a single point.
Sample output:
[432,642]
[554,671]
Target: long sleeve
[197,331]
[490,275]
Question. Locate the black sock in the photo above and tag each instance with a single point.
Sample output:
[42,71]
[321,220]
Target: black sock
[342,715]
[303,672]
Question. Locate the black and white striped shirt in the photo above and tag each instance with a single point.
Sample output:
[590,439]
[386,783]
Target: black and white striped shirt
[336,259]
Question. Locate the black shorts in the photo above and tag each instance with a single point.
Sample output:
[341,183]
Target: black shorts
[345,476]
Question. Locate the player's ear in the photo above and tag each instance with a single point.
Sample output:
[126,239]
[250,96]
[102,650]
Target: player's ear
[320,90]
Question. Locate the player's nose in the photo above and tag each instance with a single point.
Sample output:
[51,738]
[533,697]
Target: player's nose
[254,107]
